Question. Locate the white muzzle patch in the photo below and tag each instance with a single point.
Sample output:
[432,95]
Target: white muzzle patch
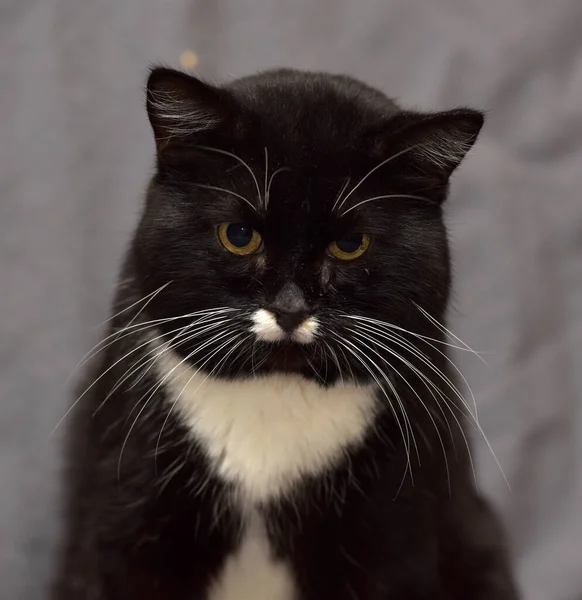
[266,329]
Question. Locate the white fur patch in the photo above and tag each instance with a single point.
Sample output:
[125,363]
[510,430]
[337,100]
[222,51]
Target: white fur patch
[305,333]
[265,326]
[266,329]
[252,573]
[264,434]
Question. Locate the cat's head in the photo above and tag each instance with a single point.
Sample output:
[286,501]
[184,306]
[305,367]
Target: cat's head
[289,214]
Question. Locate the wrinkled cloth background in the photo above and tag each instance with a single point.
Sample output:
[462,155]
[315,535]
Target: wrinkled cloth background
[75,152]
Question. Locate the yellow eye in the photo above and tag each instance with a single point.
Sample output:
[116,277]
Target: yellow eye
[239,238]
[350,247]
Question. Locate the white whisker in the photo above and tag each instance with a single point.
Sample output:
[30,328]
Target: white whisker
[215,338]
[401,342]
[159,321]
[151,295]
[142,326]
[342,190]
[268,195]
[182,333]
[373,170]
[395,329]
[423,404]
[405,435]
[89,354]
[265,196]
[225,191]
[151,393]
[213,370]
[335,359]
[448,332]
[416,335]
[412,196]
[241,161]
[138,328]
[422,357]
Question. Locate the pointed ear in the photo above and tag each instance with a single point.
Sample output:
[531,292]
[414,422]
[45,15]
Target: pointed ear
[433,145]
[181,107]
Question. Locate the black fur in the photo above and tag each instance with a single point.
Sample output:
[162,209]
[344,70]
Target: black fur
[156,524]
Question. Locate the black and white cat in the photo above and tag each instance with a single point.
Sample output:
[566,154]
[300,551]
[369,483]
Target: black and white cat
[273,415]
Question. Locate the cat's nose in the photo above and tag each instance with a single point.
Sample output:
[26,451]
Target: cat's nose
[290,307]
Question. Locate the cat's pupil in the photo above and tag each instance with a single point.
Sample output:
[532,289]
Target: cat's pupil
[350,243]
[239,235]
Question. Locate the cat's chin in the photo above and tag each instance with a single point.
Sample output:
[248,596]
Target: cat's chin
[287,358]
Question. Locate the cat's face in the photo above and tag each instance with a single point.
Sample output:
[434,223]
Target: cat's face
[289,214]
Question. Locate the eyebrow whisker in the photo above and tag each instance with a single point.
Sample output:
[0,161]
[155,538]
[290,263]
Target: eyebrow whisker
[411,196]
[224,190]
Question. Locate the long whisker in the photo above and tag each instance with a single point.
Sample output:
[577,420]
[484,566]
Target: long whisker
[324,358]
[399,341]
[475,414]
[421,356]
[151,295]
[138,328]
[397,397]
[412,333]
[139,312]
[342,190]
[347,362]
[137,348]
[447,331]
[134,328]
[448,404]
[241,161]
[265,196]
[386,196]
[177,340]
[147,300]
[373,170]
[405,433]
[423,404]
[215,338]
[225,191]
[335,359]
[185,336]
[280,170]
[212,340]
[151,394]
[314,370]
[213,370]
[425,339]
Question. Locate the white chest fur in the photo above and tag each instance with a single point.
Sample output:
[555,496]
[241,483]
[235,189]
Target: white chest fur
[252,573]
[264,434]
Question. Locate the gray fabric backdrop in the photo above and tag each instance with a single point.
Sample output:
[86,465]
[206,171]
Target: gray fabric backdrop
[75,151]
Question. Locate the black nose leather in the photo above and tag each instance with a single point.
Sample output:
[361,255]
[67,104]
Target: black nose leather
[290,307]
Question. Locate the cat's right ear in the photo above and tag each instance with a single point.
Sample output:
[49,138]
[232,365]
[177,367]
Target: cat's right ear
[182,108]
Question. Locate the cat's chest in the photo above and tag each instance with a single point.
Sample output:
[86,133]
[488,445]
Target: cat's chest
[252,572]
[265,434]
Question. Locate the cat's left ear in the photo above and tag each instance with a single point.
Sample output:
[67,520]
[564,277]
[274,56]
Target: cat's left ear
[182,108]
[431,145]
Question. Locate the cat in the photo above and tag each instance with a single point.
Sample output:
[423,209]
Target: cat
[273,415]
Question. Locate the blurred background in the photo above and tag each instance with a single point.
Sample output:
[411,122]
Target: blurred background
[76,151]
